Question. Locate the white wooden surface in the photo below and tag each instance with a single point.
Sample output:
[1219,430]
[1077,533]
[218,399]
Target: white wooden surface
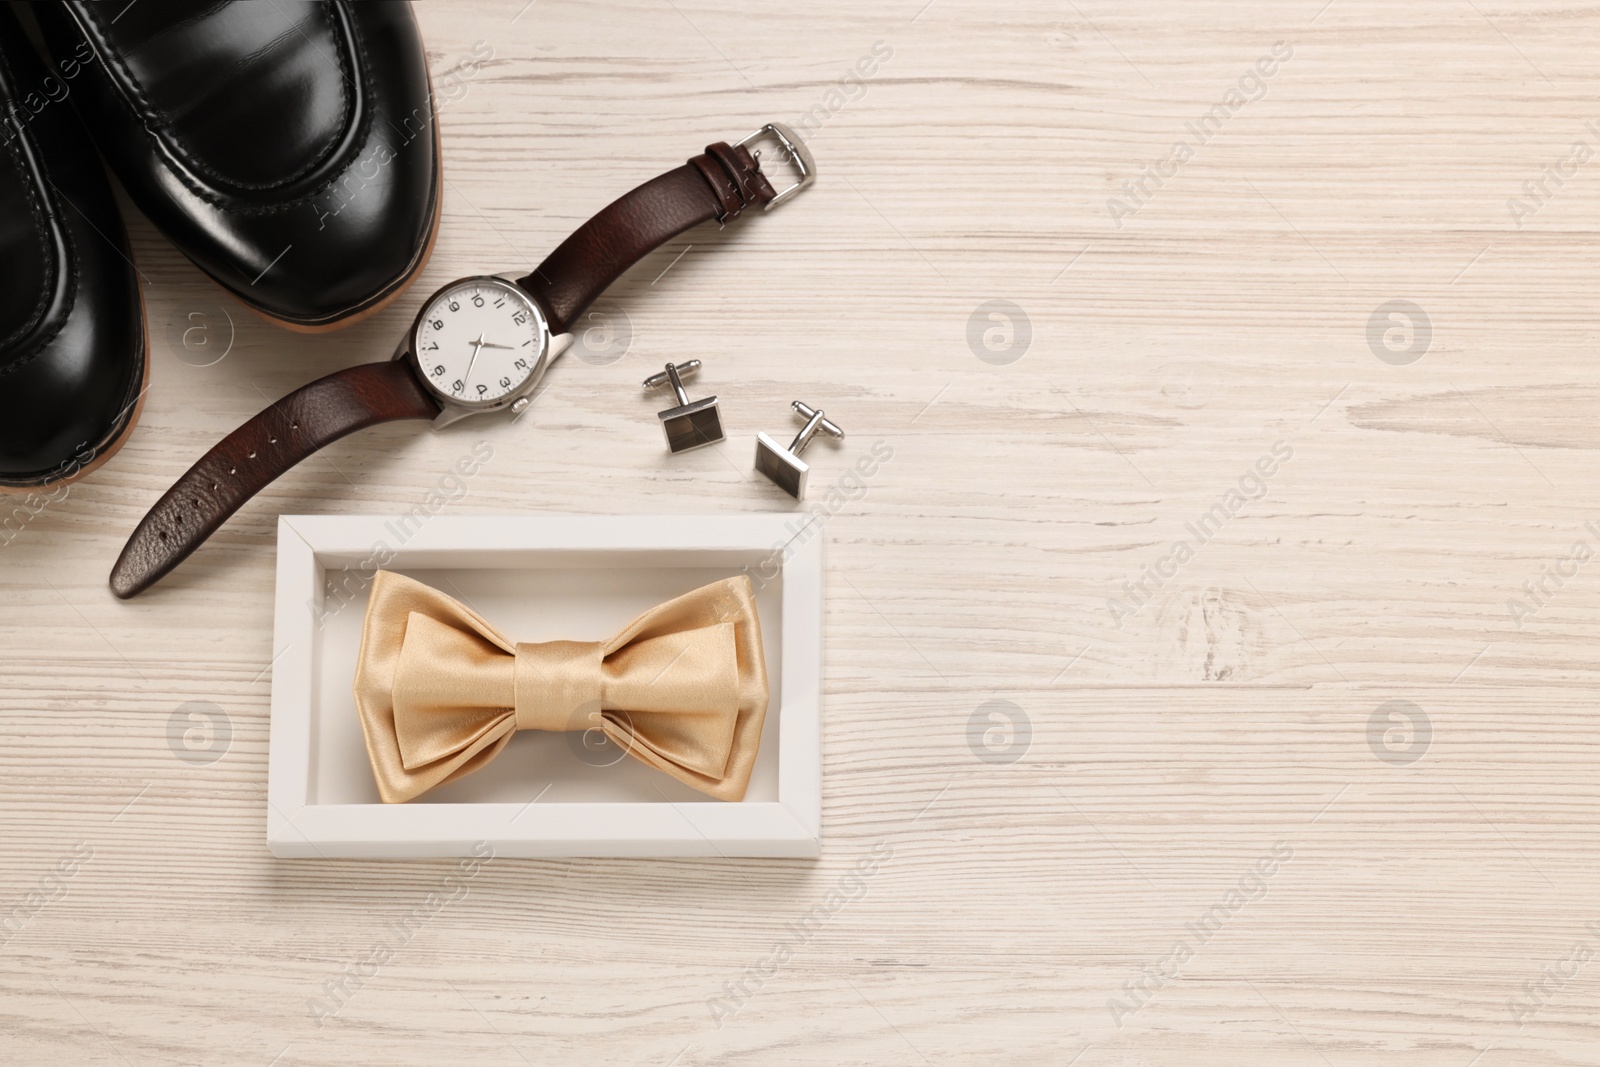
[1006,905]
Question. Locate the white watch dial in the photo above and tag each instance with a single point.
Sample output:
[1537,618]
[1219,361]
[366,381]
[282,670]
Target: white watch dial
[479,340]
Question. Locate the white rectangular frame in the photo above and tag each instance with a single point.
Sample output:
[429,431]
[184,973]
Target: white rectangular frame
[789,827]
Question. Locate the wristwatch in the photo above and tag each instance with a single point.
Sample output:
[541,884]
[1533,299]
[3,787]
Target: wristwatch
[480,344]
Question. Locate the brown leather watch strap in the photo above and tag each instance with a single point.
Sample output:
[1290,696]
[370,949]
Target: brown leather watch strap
[251,457]
[719,185]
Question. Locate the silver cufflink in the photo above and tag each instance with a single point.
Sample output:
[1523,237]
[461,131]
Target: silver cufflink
[783,465]
[689,425]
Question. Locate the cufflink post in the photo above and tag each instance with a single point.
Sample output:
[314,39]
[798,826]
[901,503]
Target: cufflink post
[692,424]
[784,465]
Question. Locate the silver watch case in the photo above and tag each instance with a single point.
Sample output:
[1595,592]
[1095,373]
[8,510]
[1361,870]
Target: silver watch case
[451,409]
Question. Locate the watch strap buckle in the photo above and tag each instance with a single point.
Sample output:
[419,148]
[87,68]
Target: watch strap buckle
[795,153]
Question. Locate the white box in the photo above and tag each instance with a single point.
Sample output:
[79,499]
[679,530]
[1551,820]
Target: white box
[575,577]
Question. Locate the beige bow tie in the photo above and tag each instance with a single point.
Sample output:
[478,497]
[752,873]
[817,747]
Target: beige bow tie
[683,687]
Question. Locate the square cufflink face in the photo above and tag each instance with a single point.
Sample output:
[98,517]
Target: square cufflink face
[692,425]
[785,468]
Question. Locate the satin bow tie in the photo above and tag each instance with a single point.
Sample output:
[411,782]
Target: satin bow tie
[440,692]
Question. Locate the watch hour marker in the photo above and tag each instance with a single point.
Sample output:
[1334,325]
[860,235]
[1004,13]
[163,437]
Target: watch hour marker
[466,349]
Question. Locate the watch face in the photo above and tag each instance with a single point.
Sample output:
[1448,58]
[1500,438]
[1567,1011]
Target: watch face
[479,340]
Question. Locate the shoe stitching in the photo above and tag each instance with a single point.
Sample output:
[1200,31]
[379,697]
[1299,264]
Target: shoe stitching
[152,115]
[230,204]
[69,302]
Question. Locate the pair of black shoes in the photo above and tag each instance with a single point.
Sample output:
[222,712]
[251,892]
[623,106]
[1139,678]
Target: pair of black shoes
[288,148]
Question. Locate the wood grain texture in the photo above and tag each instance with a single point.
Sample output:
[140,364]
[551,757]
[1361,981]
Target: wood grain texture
[1241,704]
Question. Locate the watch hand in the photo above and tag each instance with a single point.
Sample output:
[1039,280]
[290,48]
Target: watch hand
[491,344]
[477,346]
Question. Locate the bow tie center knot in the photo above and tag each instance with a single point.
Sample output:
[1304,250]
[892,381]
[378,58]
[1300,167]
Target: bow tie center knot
[559,685]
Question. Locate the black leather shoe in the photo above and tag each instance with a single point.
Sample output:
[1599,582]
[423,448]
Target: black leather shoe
[287,147]
[72,338]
